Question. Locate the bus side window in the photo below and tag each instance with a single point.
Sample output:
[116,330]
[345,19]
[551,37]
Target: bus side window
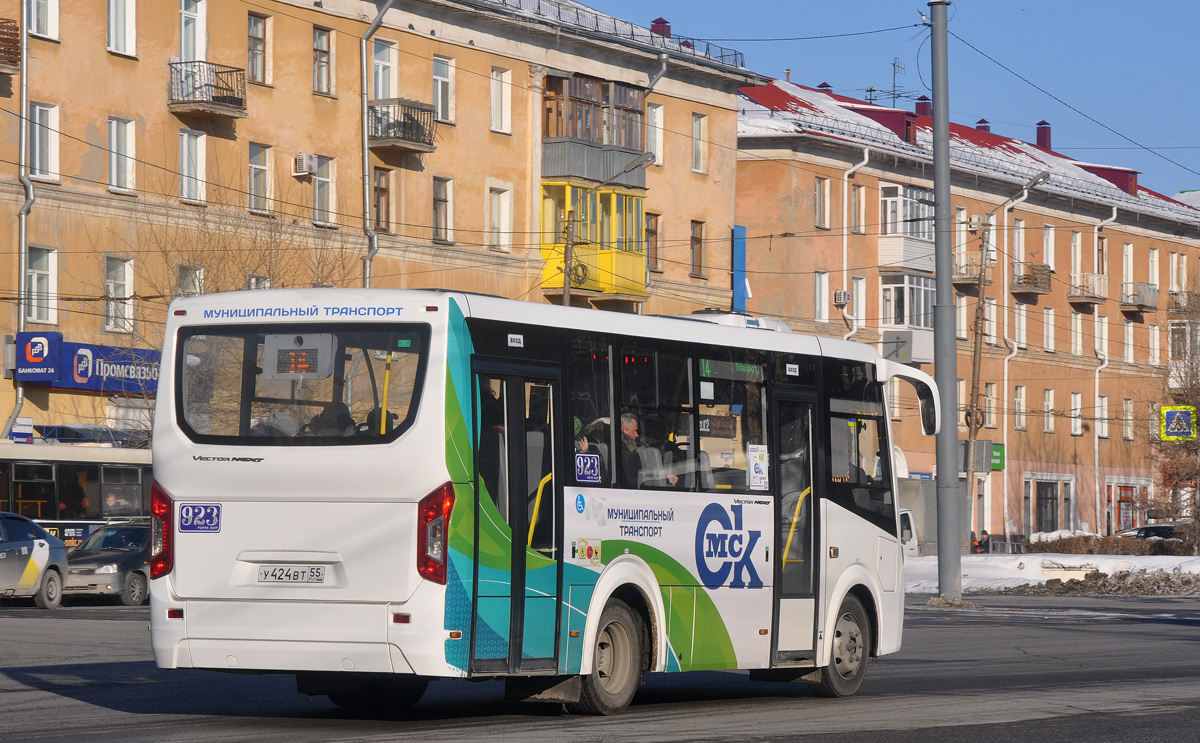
[590,409]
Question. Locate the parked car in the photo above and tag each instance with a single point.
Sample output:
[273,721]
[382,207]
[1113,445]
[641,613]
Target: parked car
[1163,530]
[32,562]
[114,560]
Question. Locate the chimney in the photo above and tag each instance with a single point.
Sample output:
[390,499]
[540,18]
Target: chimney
[787,74]
[1043,135]
[924,107]
[661,27]
[825,88]
[984,125]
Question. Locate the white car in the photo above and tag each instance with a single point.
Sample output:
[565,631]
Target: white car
[32,562]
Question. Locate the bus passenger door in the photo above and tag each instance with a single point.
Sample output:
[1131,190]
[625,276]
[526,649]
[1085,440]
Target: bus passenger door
[516,583]
[795,595]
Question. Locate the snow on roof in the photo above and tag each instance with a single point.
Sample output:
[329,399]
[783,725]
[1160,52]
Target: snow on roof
[781,109]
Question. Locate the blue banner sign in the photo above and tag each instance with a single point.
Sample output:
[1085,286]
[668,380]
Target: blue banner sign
[46,357]
[38,356]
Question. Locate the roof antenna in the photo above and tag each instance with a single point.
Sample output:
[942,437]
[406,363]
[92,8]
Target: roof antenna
[897,67]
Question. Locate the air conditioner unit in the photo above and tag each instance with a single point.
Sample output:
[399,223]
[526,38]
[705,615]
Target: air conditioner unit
[304,164]
[841,298]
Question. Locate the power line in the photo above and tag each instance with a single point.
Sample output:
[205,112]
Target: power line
[820,37]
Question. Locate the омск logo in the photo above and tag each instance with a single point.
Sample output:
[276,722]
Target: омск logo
[37,349]
[723,546]
[83,365]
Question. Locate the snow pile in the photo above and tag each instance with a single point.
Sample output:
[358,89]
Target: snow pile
[1053,536]
[1134,575]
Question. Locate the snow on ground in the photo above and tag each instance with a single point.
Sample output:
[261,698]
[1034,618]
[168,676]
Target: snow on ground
[992,573]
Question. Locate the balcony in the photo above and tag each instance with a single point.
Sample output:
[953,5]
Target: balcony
[1030,278]
[907,253]
[1139,296]
[577,158]
[205,89]
[967,269]
[1179,301]
[401,126]
[10,47]
[597,272]
[1088,288]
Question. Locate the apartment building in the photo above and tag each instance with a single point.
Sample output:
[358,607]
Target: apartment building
[187,146]
[1082,274]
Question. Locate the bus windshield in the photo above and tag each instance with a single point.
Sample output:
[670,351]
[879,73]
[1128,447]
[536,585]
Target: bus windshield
[306,385]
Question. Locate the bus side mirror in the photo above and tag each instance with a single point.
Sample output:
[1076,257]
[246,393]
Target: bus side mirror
[906,535]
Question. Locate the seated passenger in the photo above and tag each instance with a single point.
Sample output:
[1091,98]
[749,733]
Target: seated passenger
[632,474]
[334,420]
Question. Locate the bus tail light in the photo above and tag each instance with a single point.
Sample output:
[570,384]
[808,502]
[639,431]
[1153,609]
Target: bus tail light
[433,516]
[162,532]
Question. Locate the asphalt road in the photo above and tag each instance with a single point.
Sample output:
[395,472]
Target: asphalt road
[1015,669]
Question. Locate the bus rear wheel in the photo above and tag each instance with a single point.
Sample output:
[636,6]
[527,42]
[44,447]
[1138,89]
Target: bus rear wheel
[851,648]
[616,663]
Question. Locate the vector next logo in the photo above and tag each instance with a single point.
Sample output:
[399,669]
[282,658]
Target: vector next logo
[724,548]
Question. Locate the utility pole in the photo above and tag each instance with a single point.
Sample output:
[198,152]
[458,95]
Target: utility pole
[974,412]
[945,343]
[566,299]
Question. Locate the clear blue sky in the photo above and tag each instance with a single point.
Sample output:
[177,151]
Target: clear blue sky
[1129,66]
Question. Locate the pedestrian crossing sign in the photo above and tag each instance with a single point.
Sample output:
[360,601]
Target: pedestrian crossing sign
[1178,423]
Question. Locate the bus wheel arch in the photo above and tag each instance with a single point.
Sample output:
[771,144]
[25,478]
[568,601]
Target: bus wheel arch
[629,580]
[867,599]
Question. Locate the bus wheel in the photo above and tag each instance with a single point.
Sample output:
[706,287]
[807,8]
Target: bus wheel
[851,648]
[616,660]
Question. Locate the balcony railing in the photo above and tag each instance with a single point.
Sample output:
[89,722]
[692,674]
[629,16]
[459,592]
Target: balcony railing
[596,270]
[1183,301]
[967,267]
[10,47]
[401,125]
[1139,296]
[1030,278]
[1091,288]
[207,89]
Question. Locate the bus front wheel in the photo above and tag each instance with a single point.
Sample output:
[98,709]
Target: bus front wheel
[851,648]
[616,663]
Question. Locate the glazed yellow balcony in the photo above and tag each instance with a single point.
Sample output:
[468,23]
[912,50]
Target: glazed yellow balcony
[602,270]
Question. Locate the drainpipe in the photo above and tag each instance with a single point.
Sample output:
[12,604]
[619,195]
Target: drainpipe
[1012,351]
[22,217]
[368,230]
[1096,237]
[851,320]
[1096,440]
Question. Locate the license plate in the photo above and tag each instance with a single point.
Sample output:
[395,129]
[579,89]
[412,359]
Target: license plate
[291,574]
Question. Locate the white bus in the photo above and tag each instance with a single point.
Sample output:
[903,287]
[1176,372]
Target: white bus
[375,488]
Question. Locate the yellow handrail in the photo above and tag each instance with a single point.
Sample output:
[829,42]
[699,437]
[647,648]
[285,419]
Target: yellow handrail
[792,532]
[537,502]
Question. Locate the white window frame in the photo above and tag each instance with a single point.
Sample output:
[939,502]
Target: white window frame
[1048,245]
[1019,407]
[1076,413]
[383,68]
[1048,410]
[41,18]
[500,215]
[858,209]
[189,280]
[858,300]
[1127,263]
[821,204]
[501,111]
[961,225]
[1021,324]
[989,320]
[448,237]
[821,296]
[1102,336]
[961,322]
[1018,236]
[1155,345]
[1152,268]
[324,182]
[989,404]
[267,23]
[699,143]
[918,293]
[255,282]
[122,27]
[1077,333]
[1076,253]
[118,295]
[259,200]
[198,20]
[1102,416]
[1173,272]
[192,160]
[122,155]
[654,131]
[1048,330]
[1127,419]
[323,79]
[906,210]
[443,90]
[43,142]
[41,287]
[1129,359]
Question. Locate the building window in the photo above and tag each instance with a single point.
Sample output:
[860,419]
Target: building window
[189,281]
[443,89]
[1019,407]
[1154,346]
[654,133]
[322,61]
[1048,411]
[906,210]
[259,186]
[696,265]
[1128,341]
[989,404]
[1076,254]
[858,300]
[323,196]
[383,68]
[381,198]
[118,295]
[1048,245]
[858,210]
[1179,345]
[41,17]
[1048,329]
[1102,255]
[122,29]
[699,142]
[1021,324]
[443,209]
[1076,413]
[501,100]
[499,216]
[1152,262]
[821,204]
[960,316]
[41,286]
[1127,419]
[989,320]
[1076,333]
[120,154]
[653,245]
[907,300]
[191,165]
[821,296]
[1018,240]
[256,49]
[961,225]
[1102,337]
[1102,416]
[258,282]
[43,141]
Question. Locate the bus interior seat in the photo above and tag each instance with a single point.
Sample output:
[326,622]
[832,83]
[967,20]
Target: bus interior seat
[652,472]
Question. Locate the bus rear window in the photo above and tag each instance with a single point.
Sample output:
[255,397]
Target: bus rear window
[300,385]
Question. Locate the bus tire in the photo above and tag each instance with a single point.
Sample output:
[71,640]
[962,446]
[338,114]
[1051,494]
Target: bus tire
[616,663]
[378,695]
[851,649]
[49,595]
